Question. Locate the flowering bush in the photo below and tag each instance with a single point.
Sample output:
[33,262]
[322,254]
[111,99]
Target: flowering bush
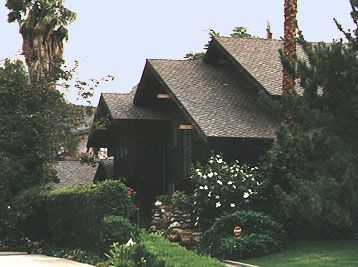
[221,188]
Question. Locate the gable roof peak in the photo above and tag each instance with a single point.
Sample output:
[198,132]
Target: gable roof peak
[259,59]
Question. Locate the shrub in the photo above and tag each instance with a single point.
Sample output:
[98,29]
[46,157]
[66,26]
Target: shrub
[182,201]
[131,256]
[117,229]
[79,255]
[260,235]
[221,188]
[71,216]
[173,255]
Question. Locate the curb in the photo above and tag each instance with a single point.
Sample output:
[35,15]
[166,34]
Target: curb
[12,253]
[238,264]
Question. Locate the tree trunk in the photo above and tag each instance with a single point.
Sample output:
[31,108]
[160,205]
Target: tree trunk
[289,44]
[42,48]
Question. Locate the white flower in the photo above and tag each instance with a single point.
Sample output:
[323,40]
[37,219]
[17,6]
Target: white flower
[211,161]
[201,187]
[200,174]
[206,187]
[8,207]
[229,182]
[232,205]
[204,176]
[246,195]
[158,203]
[197,219]
[196,223]
[130,243]
[250,191]
[209,195]
[217,197]
[234,186]
[215,173]
[220,161]
[210,175]
[218,204]
[219,182]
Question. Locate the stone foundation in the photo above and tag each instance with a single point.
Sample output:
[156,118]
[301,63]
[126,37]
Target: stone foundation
[174,223]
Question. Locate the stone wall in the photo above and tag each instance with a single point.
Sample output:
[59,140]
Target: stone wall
[172,222]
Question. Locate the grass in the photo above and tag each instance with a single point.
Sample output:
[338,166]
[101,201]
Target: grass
[174,255]
[330,254]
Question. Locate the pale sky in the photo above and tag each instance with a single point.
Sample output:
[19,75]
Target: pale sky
[116,37]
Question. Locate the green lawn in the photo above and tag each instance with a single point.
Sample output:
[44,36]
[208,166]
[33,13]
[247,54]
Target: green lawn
[333,253]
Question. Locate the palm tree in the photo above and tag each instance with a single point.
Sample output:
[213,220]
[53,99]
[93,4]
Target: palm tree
[42,25]
[289,44]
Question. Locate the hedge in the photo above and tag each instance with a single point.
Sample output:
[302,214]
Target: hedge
[71,216]
[174,255]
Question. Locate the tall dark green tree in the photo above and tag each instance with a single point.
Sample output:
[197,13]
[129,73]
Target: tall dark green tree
[310,175]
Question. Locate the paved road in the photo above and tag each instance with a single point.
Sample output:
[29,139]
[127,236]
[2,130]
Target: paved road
[18,260]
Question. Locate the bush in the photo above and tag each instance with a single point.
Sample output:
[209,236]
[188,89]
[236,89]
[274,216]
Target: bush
[221,188]
[182,201]
[83,256]
[131,256]
[260,235]
[71,216]
[117,229]
[173,255]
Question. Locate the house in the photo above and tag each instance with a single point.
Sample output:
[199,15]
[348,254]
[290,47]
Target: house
[69,168]
[181,110]
[73,172]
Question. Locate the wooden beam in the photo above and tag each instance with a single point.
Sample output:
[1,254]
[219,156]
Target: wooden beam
[186,127]
[163,96]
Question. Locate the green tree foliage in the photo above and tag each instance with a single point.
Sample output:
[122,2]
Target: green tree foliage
[42,24]
[237,32]
[35,123]
[240,32]
[310,174]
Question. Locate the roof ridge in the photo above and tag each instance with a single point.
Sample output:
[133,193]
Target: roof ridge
[247,38]
[166,59]
[124,94]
